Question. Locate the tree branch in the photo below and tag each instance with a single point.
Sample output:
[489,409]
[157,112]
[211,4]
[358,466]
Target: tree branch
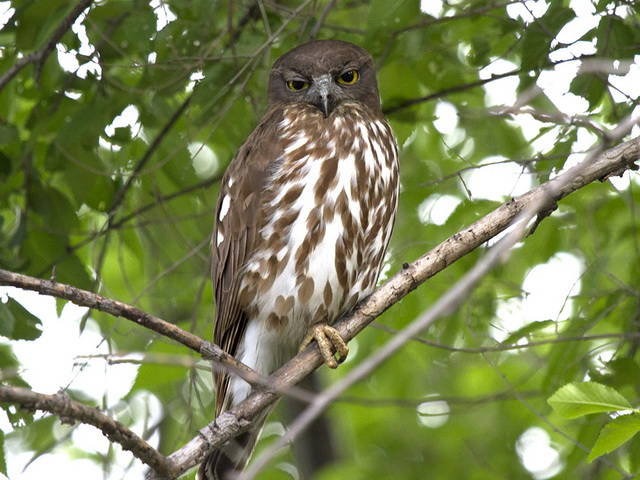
[614,161]
[70,411]
[84,298]
[39,56]
[448,18]
[466,86]
[504,347]
[120,194]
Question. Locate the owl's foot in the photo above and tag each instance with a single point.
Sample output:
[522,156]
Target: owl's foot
[329,341]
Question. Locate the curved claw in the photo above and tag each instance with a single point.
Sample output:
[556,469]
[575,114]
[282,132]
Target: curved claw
[329,341]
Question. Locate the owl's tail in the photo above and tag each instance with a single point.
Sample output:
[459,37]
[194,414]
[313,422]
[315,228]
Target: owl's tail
[228,461]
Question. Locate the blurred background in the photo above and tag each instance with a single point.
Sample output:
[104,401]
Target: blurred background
[115,131]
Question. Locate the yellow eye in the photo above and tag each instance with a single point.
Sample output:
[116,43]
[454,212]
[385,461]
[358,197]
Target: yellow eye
[349,77]
[297,85]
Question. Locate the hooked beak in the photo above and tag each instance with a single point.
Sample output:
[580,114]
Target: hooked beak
[322,94]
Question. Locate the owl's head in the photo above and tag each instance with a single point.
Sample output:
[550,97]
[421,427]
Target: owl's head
[324,73]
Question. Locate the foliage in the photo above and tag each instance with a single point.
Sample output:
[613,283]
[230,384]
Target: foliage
[577,400]
[124,207]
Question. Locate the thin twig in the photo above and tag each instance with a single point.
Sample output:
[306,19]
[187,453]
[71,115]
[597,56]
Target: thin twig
[120,194]
[507,395]
[517,346]
[465,86]
[71,411]
[556,117]
[39,56]
[321,19]
[462,15]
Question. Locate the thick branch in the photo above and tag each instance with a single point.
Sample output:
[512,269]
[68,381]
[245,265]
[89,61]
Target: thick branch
[70,411]
[39,56]
[612,162]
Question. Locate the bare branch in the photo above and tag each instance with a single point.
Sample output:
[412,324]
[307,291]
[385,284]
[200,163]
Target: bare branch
[321,19]
[85,298]
[463,14]
[71,411]
[465,86]
[208,350]
[401,402]
[120,194]
[39,56]
[513,346]
[448,91]
[238,419]
[556,117]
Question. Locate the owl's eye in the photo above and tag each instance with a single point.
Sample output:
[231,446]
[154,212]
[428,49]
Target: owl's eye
[349,77]
[297,85]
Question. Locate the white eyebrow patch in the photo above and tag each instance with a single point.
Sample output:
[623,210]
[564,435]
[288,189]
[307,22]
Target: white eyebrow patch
[224,208]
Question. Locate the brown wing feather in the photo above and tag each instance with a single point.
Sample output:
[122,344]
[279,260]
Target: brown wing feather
[239,227]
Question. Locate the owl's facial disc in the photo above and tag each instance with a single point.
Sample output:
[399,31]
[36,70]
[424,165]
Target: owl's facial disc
[325,74]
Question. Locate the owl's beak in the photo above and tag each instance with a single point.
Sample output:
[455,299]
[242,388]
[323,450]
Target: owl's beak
[322,94]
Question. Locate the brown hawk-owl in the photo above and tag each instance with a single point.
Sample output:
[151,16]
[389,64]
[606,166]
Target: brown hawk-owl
[303,220]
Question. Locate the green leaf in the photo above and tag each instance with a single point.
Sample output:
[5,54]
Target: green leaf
[54,207]
[93,189]
[17,323]
[577,399]
[9,368]
[618,431]
[634,454]
[615,37]
[38,435]
[8,133]
[527,330]
[539,35]
[384,14]
[535,46]
[589,86]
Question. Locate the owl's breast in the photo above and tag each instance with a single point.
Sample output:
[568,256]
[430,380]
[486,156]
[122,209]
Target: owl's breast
[326,222]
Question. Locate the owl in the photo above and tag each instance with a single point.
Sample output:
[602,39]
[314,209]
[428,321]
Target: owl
[303,220]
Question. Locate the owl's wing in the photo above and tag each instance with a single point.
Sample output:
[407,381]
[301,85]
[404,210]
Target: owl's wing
[236,234]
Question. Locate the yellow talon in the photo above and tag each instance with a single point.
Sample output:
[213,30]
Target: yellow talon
[329,341]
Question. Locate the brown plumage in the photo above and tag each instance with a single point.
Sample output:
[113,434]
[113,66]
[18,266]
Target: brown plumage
[303,220]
